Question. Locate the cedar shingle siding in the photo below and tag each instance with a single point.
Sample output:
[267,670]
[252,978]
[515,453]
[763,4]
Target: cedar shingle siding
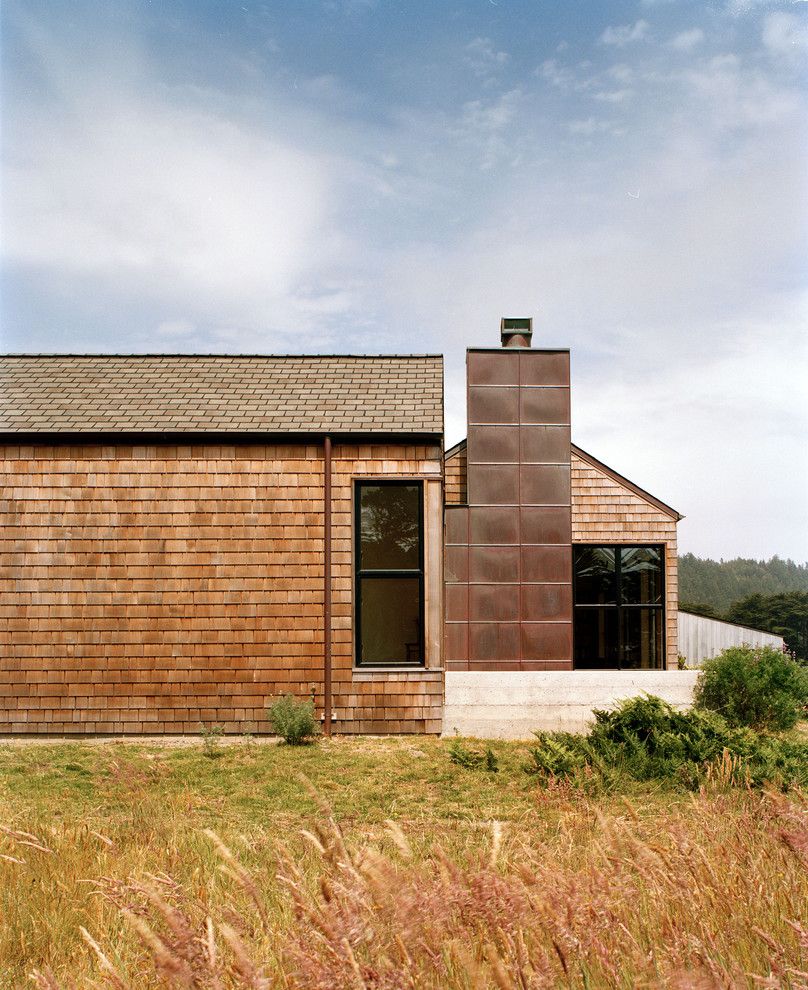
[151,589]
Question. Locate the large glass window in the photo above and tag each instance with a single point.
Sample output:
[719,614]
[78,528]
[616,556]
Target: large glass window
[619,607]
[389,583]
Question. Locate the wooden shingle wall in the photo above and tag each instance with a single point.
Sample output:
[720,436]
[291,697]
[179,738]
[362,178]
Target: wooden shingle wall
[151,589]
[455,476]
[604,511]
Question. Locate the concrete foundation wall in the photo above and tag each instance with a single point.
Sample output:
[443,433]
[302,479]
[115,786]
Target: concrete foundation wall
[514,704]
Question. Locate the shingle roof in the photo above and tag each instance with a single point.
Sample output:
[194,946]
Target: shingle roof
[217,393]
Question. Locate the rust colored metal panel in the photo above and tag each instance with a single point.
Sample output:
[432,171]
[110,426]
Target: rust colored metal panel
[545,406]
[494,484]
[547,602]
[490,525]
[491,643]
[456,564]
[456,644]
[544,368]
[457,525]
[457,608]
[544,444]
[544,484]
[493,444]
[545,524]
[492,565]
[546,641]
[494,404]
[493,603]
[492,368]
[549,564]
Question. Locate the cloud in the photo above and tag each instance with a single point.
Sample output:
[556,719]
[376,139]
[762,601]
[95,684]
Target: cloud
[170,199]
[626,34]
[614,95]
[484,59]
[556,74]
[785,34]
[686,41]
[589,126]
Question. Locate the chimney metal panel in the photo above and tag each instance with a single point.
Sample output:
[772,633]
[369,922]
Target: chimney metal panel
[545,524]
[493,524]
[493,404]
[544,444]
[544,484]
[493,643]
[544,406]
[546,602]
[518,524]
[546,564]
[495,444]
[493,484]
[493,603]
[546,644]
[492,368]
[493,565]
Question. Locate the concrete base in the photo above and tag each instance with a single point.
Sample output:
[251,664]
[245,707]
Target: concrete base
[514,704]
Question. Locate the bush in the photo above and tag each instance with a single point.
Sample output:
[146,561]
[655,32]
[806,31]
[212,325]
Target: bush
[762,688]
[645,739]
[470,759]
[294,720]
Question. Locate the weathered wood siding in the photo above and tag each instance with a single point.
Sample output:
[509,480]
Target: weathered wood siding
[701,638]
[150,589]
[455,476]
[604,511]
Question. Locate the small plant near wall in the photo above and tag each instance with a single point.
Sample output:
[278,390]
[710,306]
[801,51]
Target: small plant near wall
[211,738]
[761,687]
[471,759]
[294,720]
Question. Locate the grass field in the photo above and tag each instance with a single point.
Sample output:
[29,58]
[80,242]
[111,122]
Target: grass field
[483,879]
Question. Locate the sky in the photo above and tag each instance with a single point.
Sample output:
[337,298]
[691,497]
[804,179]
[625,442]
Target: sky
[362,176]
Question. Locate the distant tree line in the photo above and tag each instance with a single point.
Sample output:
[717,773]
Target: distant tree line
[765,594]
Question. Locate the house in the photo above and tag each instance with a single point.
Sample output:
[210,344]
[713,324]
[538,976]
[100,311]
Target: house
[186,537]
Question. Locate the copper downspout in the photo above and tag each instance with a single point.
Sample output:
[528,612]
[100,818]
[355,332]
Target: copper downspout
[327,586]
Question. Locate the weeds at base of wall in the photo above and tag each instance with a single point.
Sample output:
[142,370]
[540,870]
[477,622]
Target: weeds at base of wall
[472,759]
[294,720]
[211,739]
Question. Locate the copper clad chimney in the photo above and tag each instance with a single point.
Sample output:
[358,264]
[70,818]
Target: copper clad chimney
[516,331]
[508,558]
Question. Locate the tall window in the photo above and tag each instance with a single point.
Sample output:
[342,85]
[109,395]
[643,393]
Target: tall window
[619,606]
[389,583]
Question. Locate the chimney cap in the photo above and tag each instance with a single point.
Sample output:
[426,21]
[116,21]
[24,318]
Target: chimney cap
[516,331]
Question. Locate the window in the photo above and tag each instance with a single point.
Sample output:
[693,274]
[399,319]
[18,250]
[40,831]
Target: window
[619,607]
[389,586]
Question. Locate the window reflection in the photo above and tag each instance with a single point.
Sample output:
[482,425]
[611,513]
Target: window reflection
[619,607]
[389,574]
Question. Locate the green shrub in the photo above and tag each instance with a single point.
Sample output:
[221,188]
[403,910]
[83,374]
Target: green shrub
[211,737]
[646,739]
[762,687]
[294,720]
[470,759]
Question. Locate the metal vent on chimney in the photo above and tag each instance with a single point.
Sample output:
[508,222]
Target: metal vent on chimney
[516,331]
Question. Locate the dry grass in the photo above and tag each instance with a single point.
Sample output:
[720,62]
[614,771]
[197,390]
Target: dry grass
[139,867]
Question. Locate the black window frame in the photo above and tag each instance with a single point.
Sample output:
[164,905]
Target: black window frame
[619,605]
[359,573]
